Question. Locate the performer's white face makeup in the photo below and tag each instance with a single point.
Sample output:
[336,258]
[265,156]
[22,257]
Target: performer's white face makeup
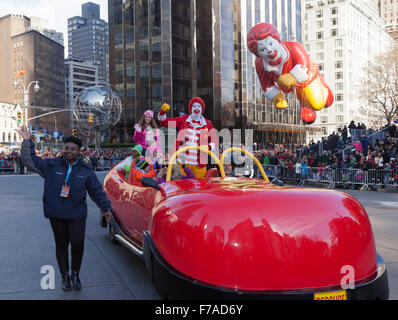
[269,48]
[196,109]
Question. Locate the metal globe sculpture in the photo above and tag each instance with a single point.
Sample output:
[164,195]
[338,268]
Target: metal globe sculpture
[97,107]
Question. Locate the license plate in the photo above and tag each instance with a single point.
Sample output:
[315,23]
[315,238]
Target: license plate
[331,295]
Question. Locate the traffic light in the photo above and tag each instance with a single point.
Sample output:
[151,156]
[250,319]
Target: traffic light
[74,132]
[19,115]
[90,118]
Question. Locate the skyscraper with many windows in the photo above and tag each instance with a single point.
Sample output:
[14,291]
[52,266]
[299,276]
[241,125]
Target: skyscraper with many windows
[88,38]
[39,58]
[343,37]
[172,50]
[388,11]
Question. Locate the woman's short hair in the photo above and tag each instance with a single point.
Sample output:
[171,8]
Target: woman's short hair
[75,140]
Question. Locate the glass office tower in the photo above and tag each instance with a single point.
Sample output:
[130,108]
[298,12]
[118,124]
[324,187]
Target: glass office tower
[88,39]
[172,50]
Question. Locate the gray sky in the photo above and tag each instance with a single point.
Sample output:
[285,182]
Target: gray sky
[56,12]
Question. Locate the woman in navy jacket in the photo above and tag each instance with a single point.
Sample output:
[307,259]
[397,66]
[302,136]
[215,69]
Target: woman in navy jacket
[67,179]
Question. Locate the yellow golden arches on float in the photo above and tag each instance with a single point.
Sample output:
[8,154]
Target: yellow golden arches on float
[222,171]
[219,162]
[175,155]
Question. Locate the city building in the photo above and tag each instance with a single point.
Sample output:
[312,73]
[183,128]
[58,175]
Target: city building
[9,124]
[78,75]
[170,51]
[88,38]
[40,58]
[388,11]
[342,37]
[41,25]
[54,35]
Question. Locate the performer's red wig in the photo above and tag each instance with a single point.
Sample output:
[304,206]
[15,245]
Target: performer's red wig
[198,100]
[260,32]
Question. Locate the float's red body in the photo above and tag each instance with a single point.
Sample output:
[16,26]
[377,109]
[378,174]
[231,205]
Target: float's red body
[257,239]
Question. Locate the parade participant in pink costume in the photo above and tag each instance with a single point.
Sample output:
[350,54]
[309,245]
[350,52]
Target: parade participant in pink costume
[194,130]
[146,132]
[281,66]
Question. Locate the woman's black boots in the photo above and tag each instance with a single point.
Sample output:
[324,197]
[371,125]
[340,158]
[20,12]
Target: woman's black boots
[66,282]
[76,281]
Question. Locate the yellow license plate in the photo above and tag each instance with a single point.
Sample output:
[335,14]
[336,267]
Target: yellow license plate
[331,295]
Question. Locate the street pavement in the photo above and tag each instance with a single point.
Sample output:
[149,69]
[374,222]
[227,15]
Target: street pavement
[109,271]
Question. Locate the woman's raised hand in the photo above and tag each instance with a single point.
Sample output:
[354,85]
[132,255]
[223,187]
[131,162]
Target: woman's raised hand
[24,132]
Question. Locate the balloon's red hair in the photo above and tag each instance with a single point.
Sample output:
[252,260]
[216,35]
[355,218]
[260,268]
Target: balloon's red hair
[260,32]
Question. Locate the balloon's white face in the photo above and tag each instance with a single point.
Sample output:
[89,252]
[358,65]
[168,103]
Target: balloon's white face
[269,48]
[196,109]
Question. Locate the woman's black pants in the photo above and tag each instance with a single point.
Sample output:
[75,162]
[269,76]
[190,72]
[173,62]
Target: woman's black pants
[65,232]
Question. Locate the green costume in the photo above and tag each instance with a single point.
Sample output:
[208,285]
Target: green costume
[140,163]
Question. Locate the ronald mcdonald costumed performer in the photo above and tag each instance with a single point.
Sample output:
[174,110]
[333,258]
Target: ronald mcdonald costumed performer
[193,130]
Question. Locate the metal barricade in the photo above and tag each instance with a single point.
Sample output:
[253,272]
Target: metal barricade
[340,178]
[104,165]
[271,170]
[381,177]
[8,169]
[373,177]
[9,166]
[321,174]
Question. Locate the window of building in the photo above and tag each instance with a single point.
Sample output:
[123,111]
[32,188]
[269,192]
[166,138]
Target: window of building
[339,97]
[319,24]
[320,66]
[338,64]
[339,108]
[320,46]
[333,32]
[339,75]
[319,56]
[338,42]
[334,10]
[334,21]
[339,118]
[339,86]
[319,14]
[319,35]
[338,53]
[324,119]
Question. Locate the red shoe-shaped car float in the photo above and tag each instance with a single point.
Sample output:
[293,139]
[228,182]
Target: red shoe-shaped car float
[247,238]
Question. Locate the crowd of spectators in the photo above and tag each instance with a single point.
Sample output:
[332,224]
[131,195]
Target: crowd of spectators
[363,153]
[354,147]
[11,162]
[358,153]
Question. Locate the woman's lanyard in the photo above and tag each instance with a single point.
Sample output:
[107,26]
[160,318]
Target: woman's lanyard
[65,188]
[68,173]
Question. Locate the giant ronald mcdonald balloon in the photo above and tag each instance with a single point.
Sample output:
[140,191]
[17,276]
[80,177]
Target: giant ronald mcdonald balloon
[284,65]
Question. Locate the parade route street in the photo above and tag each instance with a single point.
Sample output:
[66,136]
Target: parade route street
[110,271]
